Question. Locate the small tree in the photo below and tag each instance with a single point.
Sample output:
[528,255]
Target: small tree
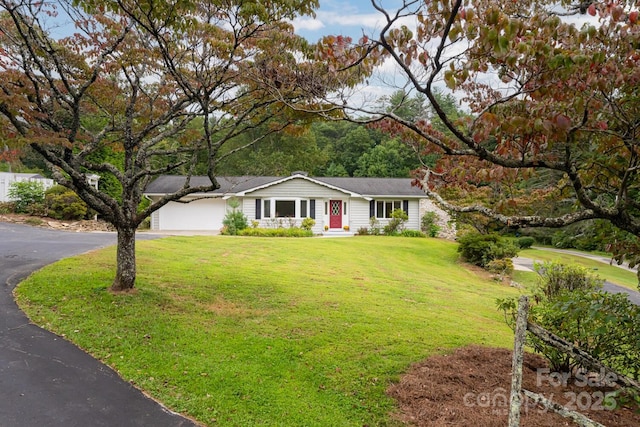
[235,220]
[429,224]
[28,196]
[398,218]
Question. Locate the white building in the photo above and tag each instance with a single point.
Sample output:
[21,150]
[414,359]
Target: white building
[7,178]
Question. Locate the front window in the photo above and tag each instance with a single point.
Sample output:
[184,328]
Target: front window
[384,208]
[285,208]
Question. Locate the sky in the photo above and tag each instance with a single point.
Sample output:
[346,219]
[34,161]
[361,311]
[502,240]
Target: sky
[350,17]
[354,18]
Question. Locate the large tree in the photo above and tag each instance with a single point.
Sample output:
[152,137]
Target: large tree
[134,89]
[553,93]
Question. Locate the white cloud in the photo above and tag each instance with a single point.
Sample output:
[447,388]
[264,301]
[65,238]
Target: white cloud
[308,24]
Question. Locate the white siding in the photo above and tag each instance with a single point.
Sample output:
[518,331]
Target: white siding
[203,214]
[155,220]
[359,214]
[298,188]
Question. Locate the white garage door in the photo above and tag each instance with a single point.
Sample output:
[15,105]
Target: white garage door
[204,214]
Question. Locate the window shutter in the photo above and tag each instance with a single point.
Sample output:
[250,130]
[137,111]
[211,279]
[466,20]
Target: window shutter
[258,208]
[372,208]
[405,206]
[312,208]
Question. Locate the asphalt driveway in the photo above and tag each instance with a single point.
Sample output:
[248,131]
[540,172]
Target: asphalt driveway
[44,379]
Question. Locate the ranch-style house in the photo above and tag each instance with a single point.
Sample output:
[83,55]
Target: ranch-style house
[338,205]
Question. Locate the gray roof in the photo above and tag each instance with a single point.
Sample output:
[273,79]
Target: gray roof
[380,187]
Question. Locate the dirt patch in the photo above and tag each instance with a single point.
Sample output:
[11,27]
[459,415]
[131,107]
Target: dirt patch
[471,386]
[54,224]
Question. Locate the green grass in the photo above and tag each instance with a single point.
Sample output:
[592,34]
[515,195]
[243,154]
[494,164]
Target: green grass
[612,273]
[238,331]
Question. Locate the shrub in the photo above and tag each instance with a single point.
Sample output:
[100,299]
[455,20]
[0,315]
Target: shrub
[276,232]
[412,233]
[525,242]
[234,221]
[308,223]
[569,302]
[374,226]
[28,196]
[7,207]
[556,278]
[63,203]
[396,224]
[502,266]
[604,325]
[363,231]
[428,224]
[481,249]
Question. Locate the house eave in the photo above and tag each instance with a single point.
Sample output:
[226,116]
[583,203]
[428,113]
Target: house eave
[297,176]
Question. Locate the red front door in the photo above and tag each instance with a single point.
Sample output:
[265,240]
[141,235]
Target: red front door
[335,213]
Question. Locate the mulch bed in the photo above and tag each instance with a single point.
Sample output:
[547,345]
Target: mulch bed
[471,386]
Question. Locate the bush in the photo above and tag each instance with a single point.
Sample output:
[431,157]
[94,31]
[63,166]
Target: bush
[28,196]
[525,242]
[556,278]
[481,249]
[7,207]
[602,324]
[63,203]
[363,231]
[569,302]
[374,226]
[412,233]
[396,223]
[502,266]
[276,232]
[428,224]
[234,221]
[308,223]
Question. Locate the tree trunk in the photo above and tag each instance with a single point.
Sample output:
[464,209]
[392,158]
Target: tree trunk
[126,260]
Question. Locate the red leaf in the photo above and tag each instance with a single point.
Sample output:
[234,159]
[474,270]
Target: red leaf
[592,9]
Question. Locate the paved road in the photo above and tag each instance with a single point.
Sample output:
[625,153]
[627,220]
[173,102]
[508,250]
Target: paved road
[45,380]
[634,296]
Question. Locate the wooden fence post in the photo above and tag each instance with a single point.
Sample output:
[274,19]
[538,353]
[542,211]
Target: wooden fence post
[518,356]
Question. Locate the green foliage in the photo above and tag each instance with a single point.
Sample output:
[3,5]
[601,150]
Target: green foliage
[501,266]
[374,226]
[481,249]
[412,233]
[308,223]
[28,196]
[604,325]
[389,159]
[235,220]
[525,242]
[570,303]
[396,224]
[7,207]
[428,224]
[362,231]
[276,232]
[558,278]
[63,203]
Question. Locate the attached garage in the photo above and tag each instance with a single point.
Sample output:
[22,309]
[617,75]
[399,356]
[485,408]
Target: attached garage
[202,214]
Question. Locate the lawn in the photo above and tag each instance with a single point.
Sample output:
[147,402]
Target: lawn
[266,331]
[612,273]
